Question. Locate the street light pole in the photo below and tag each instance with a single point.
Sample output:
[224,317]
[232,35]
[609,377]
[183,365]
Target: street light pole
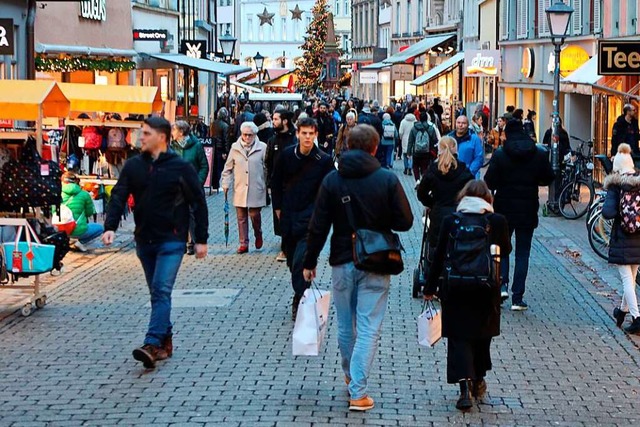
[228,45]
[259,60]
[558,17]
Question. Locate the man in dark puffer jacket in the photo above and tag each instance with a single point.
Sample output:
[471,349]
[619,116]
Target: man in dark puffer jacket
[516,171]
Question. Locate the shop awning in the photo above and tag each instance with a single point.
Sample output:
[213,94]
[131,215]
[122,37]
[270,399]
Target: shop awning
[200,64]
[583,79]
[419,48]
[376,66]
[83,50]
[244,86]
[439,70]
[21,100]
[121,99]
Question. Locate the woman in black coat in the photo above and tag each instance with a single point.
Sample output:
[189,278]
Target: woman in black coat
[439,188]
[624,246]
[469,319]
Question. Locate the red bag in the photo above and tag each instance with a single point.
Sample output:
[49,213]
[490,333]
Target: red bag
[92,139]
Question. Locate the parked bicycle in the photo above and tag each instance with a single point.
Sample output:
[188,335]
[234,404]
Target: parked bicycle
[577,192]
[598,228]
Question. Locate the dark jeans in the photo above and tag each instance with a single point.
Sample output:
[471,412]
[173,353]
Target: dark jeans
[387,155]
[294,249]
[218,166]
[160,262]
[468,359]
[192,228]
[524,236]
[420,165]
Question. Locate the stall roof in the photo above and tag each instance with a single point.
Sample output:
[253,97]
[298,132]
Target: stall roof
[21,99]
[376,66]
[245,86]
[439,70]
[419,48]
[201,64]
[123,99]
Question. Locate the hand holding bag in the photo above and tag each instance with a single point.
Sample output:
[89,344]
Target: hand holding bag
[429,325]
[29,256]
[311,322]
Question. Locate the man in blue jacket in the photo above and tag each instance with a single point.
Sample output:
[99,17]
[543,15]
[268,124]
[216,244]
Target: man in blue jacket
[470,147]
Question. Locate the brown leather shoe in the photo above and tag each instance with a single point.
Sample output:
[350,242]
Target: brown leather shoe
[362,404]
[148,354]
[167,345]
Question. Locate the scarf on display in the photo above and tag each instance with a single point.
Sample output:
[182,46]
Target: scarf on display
[475,205]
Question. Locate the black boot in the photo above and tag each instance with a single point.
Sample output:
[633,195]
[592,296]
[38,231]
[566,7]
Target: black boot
[294,306]
[464,402]
[479,388]
[634,327]
[619,315]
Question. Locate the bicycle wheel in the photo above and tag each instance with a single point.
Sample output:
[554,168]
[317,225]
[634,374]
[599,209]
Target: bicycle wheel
[599,235]
[575,199]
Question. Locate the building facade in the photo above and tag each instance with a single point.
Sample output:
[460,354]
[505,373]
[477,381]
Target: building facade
[13,39]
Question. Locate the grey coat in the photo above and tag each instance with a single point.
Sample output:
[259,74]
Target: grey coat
[248,174]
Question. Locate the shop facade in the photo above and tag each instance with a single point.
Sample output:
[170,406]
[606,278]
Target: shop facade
[13,39]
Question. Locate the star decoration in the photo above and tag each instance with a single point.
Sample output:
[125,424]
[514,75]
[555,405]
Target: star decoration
[266,17]
[296,13]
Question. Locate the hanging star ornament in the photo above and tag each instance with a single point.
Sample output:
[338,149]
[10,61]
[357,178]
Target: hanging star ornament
[296,13]
[266,17]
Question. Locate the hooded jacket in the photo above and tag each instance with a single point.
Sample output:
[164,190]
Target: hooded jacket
[439,192]
[193,153]
[432,131]
[378,203]
[163,191]
[624,248]
[405,130]
[80,204]
[389,141]
[516,171]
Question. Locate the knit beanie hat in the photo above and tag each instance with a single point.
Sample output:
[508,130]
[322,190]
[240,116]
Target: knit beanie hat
[259,119]
[623,162]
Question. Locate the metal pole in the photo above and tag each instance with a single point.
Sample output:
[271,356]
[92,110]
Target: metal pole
[554,190]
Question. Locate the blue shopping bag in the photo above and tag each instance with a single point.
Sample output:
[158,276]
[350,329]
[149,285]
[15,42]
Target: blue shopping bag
[30,256]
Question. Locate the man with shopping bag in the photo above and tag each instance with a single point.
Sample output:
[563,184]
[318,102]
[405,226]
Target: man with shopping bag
[379,203]
[164,188]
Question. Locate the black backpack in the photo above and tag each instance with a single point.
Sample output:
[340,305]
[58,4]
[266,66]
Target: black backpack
[426,141]
[469,267]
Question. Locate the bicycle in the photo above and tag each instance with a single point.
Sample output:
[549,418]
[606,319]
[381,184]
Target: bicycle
[577,184]
[598,228]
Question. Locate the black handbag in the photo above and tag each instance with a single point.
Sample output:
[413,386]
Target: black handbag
[373,251]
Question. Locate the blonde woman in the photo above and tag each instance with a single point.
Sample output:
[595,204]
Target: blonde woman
[439,188]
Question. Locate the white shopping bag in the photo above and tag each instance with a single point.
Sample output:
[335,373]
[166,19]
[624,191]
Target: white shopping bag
[311,322]
[429,325]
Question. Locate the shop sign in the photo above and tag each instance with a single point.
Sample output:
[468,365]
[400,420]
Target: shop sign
[151,35]
[618,58]
[194,48]
[482,63]
[572,58]
[6,37]
[6,123]
[368,77]
[528,63]
[402,72]
[94,9]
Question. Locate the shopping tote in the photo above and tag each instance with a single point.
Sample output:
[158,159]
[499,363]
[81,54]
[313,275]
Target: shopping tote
[429,325]
[311,322]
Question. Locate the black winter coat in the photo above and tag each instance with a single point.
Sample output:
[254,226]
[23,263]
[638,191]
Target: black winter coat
[624,248]
[377,200]
[624,131]
[163,191]
[475,317]
[515,172]
[439,193]
[275,146]
[221,137]
[294,187]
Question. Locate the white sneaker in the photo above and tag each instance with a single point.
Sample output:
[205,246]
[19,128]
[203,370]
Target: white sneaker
[281,257]
[417,184]
[79,246]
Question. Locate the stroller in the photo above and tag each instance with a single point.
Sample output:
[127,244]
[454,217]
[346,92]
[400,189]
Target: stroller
[421,272]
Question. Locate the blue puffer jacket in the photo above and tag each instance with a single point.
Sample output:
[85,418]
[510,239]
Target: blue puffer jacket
[470,151]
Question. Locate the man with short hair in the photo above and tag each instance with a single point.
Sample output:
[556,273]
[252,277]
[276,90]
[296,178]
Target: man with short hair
[164,188]
[285,136]
[470,146]
[625,130]
[294,185]
[360,297]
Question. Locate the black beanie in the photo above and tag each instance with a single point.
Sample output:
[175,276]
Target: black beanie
[259,119]
[513,127]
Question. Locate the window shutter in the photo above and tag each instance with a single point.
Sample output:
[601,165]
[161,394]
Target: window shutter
[543,24]
[504,19]
[577,18]
[522,19]
[597,17]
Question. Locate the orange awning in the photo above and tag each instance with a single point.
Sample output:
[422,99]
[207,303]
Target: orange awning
[21,100]
[87,98]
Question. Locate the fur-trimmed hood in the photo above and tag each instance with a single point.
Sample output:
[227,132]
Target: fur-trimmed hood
[625,181]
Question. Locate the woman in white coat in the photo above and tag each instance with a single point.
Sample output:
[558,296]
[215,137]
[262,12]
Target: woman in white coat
[405,130]
[245,167]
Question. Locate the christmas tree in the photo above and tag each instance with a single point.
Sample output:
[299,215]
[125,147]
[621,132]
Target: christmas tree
[313,47]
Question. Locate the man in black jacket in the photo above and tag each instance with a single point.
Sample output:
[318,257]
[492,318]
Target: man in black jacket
[516,171]
[326,128]
[294,186]
[378,203]
[285,136]
[164,188]
[625,129]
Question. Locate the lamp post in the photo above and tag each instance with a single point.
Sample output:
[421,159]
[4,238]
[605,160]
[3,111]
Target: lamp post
[558,17]
[259,60]
[228,46]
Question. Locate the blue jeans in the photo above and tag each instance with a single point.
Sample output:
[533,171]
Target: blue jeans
[408,163]
[160,262]
[524,237]
[94,230]
[360,299]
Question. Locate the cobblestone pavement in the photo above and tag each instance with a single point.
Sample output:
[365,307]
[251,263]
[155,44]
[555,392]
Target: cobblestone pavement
[561,363]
